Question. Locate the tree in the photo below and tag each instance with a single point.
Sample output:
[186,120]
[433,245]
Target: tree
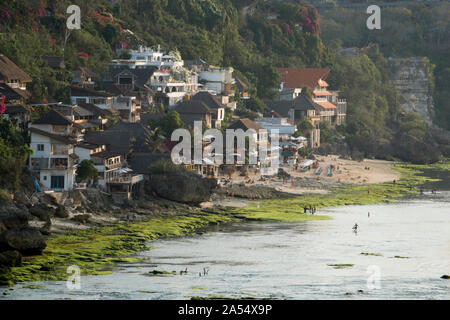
[167,123]
[255,104]
[326,132]
[154,140]
[304,127]
[13,154]
[303,152]
[86,171]
[112,120]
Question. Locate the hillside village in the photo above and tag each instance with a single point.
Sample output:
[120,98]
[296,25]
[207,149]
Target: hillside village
[87,116]
[113,122]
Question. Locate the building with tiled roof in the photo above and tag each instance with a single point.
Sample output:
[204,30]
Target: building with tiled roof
[328,105]
[303,77]
[194,110]
[244,124]
[101,99]
[13,81]
[214,104]
[53,162]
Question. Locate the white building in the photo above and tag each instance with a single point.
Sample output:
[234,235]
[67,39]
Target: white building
[127,107]
[220,82]
[107,163]
[174,85]
[54,161]
[285,129]
[217,79]
[146,57]
[79,95]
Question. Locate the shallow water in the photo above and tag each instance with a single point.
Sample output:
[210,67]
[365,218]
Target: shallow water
[291,260]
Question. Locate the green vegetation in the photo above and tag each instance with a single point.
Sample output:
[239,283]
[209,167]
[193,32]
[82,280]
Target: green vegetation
[86,171]
[292,209]
[215,30]
[154,140]
[166,166]
[34,286]
[13,154]
[326,132]
[276,34]
[376,126]
[167,123]
[4,197]
[162,272]
[416,30]
[341,265]
[96,251]
[304,128]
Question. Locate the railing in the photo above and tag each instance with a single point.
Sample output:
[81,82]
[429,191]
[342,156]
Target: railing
[65,164]
[60,151]
[126,179]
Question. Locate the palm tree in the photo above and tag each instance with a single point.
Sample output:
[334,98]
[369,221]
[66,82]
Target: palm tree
[154,140]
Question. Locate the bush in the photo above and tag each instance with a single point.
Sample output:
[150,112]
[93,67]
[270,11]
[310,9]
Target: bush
[4,197]
[87,172]
[166,166]
[303,152]
[13,154]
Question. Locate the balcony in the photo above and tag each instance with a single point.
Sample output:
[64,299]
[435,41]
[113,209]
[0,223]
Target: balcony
[39,163]
[61,151]
[61,163]
[126,179]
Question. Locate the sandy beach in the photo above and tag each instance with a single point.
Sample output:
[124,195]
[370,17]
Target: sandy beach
[346,172]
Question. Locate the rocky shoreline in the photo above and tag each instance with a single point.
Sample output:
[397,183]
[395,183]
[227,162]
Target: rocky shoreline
[31,224]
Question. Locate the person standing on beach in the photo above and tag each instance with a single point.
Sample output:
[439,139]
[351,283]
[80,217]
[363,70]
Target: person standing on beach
[368,214]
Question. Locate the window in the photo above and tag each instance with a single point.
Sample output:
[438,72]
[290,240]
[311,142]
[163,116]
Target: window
[40,147]
[57,182]
[98,101]
[45,178]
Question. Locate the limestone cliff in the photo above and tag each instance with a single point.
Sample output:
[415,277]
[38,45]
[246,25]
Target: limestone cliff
[410,78]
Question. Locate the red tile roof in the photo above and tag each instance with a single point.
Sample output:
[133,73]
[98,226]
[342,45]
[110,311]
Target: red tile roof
[303,77]
[326,105]
[322,93]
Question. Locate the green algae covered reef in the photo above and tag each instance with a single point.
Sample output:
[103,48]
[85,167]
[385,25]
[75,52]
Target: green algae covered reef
[96,251]
[288,210]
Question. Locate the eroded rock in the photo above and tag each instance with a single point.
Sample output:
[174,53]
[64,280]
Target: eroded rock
[26,240]
[10,259]
[182,187]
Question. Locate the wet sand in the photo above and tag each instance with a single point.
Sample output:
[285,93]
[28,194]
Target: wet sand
[347,172]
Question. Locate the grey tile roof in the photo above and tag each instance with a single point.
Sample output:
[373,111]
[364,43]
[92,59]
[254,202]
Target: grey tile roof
[118,141]
[137,130]
[55,118]
[207,98]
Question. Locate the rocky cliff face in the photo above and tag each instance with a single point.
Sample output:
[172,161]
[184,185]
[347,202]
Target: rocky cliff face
[181,187]
[411,80]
